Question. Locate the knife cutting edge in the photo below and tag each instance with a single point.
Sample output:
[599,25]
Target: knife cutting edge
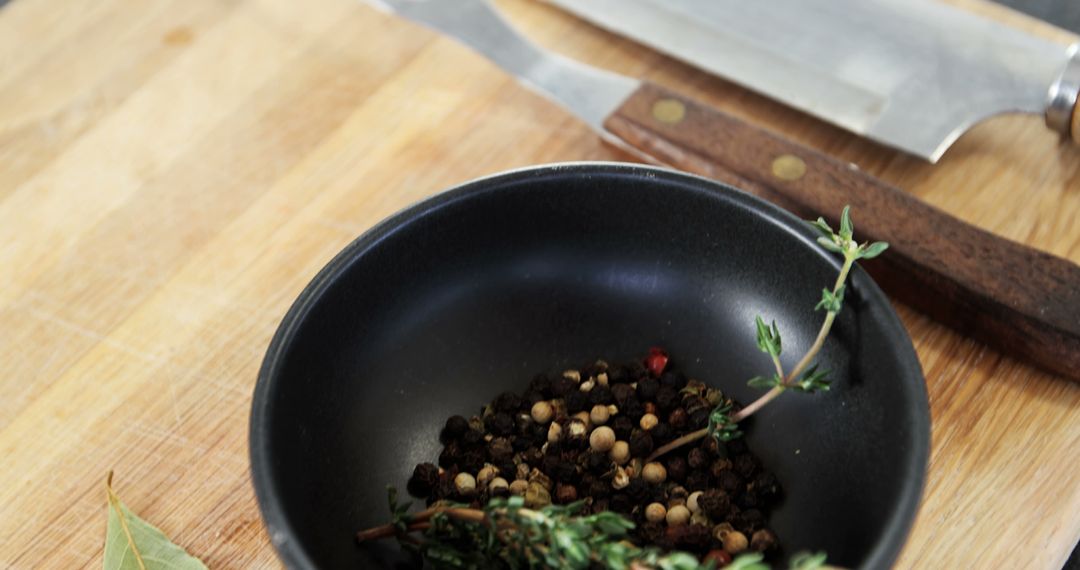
[1019,300]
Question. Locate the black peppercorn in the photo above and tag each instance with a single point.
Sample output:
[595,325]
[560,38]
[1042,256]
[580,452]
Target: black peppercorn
[500,450]
[676,469]
[763,539]
[506,468]
[694,537]
[473,460]
[697,481]
[650,532]
[500,423]
[641,444]
[549,464]
[560,387]
[633,409]
[749,499]
[662,433]
[444,489]
[540,383]
[566,472]
[617,374]
[622,393]
[729,481]
[450,455]
[638,489]
[647,389]
[748,521]
[623,427]
[667,399]
[636,371]
[455,427]
[521,443]
[676,380]
[531,397]
[602,395]
[565,494]
[678,419]
[697,458]
[576,401]
[423,481]
[698,420]
[715,503]
[472,438]
[596,462]
[746,465]
[598,489]
[621,503]
[508,402]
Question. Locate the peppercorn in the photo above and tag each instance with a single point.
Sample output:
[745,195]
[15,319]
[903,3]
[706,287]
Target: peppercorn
[647,389]
[622,426]
[587,385]
[576,401]
[465,484]
[541,412]
[597,463]
[641,444]
[508,402]
[574,434]
[620,503]
[694,537]
[554,433]
[500,449]
[735,542]
[692,502]
[518,487]
[678,495]
[499,487]
[655,512]
[748,499]
[678,515]
[697,458]
[537,496]
[746,465]
[662,433]
[472,438]
[715,503]
[620,453]
[560,387]
[566,472]
[597,489]
[599,415]
[762,540]
[623,393]
[749,520]
[667,399]
[698,420]
[473,460]
[697,481]
[621,479]
[549,463]
[531,397]
[601,394]
[583,417]
[424,478]
[720,557]
[455,427]
[540,383]
[676,468]
[602,439]
[638,490]
[450,455]
[565,494]
[632,409]
[678,419]
[736,447]
[673,379]
[654,473]
[506,467]
[444,489]
[714,448]
[538,434]
[485,475]
[648,421]
[500,423]
[729,481]
[650,408]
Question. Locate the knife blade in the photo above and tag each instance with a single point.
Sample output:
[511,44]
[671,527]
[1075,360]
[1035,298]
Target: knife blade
[1019,300]
[911,74]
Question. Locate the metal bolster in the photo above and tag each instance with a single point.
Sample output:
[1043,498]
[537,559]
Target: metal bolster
[1062,98]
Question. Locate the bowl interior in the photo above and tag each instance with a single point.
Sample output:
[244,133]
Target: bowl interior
[473,292]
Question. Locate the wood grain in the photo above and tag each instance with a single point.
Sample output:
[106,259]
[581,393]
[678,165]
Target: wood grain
[1019,300]
[173,173]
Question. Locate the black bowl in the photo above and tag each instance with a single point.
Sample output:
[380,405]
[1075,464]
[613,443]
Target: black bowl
[441,307]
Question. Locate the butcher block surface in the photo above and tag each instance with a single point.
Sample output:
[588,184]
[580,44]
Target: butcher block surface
[172,173]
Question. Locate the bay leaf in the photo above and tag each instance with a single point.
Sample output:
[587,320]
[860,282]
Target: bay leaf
[134,544]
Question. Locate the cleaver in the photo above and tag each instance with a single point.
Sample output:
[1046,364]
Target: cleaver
[1019,300]
[911,74]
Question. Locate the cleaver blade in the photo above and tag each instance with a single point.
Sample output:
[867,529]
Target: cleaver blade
[911,74]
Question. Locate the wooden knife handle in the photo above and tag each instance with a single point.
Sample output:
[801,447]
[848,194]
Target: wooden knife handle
[1019,300]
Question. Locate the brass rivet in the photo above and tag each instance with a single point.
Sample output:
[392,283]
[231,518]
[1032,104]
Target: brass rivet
[788,167]
[669,111]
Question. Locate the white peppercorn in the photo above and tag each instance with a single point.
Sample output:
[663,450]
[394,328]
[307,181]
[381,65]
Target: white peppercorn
[678,515]
[654,473]
[602,439]
[519,487]
[620,452]
[648,421]
[541,412]
[655,512]
[692,502]
[599,415]
[465,484]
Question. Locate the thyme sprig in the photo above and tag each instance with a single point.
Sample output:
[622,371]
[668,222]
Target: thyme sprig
[505,534]
[804,376]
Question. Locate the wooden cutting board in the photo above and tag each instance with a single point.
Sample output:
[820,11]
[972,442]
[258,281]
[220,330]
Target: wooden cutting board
[173,172]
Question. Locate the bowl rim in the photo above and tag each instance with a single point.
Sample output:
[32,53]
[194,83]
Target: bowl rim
[279,530]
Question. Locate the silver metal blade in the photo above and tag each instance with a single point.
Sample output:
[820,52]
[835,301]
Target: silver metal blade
[590,93]
[913,74]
